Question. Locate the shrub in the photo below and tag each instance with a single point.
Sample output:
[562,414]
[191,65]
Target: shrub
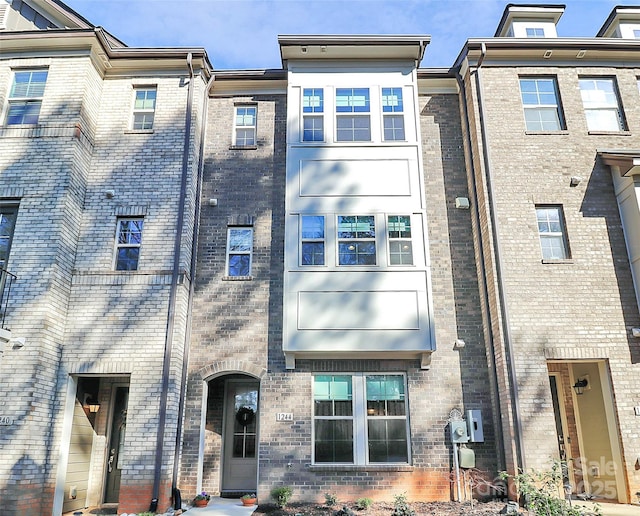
[401,506]
[330,499]
[281,495]
[364,503]
[541,491]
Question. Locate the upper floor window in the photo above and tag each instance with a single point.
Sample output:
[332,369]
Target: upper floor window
[245,126]
[535,32]
[400,247]
[128,242]
[636,33]
[392,114]
[144,108]
[540,103]
[601,106]
[356,240]
[25,97]
[353,122]
[552,233]
[360,419]
[313,241]
[313,115]
[239,251]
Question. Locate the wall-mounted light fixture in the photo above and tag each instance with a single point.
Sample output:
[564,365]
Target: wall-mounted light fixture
[580,385]
[91,403]
[110,194]
[575,181]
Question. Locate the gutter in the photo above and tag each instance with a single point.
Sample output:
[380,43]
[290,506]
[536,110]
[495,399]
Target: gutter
[513,385]
[168,345]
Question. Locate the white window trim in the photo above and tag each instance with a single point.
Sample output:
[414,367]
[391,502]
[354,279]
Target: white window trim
[353,114]
[359,418]
[11,99]
[229,253]
[302,240]
[118,245]
[314,115]
[236,126]
[134,111]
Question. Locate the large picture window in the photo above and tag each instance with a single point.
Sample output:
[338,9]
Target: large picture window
[360,419]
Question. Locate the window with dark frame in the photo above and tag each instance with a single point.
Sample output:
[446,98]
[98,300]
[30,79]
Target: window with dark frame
[601,104]
[541,104]
[128,242]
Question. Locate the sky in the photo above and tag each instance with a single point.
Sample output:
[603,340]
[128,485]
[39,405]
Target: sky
[243,34]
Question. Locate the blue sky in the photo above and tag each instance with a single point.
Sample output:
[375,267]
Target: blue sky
[242,34]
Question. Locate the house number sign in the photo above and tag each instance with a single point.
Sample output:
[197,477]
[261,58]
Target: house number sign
[6,421]
[284,416]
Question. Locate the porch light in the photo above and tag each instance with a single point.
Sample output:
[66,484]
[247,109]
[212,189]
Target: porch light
[580,385]
[91,403]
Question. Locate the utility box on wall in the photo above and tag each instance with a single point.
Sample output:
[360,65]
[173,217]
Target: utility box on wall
[474,424]
[459,432]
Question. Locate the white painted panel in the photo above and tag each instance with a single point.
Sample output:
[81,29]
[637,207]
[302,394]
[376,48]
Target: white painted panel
[348,178]
[358,310]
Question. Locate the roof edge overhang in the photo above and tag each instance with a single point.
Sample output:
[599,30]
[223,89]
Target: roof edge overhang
[627,161]
[620,13]
[549,49]
[407,47]
[552,12]
[100,44]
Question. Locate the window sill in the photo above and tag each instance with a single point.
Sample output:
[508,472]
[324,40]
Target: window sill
[609,133]
[237,278]
[566,261]
[243,147]
[360,467]
[139,131]
[548,133]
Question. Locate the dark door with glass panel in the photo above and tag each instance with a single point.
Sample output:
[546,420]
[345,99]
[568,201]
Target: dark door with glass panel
[116,445]
[240,467]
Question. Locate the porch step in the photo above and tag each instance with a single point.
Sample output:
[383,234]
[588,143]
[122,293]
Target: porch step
[219,506]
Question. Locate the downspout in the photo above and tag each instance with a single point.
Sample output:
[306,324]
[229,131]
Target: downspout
[175,274]
[511,367]
[192,274]
[483,273]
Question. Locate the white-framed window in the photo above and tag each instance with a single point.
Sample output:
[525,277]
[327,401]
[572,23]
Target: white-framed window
[356,240]
[636,33]
[392,114]
[535,32]
[128,242]
[551,229]
[144,107]
[601,106]
[353,120]
[25,96]
[239,251]
[312,115]
[399,239]
[312,240]
[245,126]
[540,101]
[360,418]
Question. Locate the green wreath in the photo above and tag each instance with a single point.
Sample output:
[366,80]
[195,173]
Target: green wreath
[245,416]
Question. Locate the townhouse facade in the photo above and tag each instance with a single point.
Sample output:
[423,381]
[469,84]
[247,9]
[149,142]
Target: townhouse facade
[309,276]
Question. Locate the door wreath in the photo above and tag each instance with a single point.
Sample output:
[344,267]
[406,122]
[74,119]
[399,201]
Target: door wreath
[245,416]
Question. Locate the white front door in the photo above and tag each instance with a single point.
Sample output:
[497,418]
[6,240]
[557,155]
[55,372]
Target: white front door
[240,466]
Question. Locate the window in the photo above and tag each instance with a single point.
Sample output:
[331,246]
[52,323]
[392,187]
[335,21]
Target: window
[25,97]
[535,32]
[312,236]
[356,240]
[552,233]
[245,126]
[360,419]
[8,215]
[352,109]
[400,247]
[128,243]
[636,33]
[540,102]
[239,251]
[144,108]
[313,118]
[392,109]
[600,102]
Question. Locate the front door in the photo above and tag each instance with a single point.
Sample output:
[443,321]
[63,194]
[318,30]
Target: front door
[116,445]
[564,441]
[240,466]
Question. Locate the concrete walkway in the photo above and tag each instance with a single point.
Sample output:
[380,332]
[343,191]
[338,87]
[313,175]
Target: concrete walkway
[611,509]
[222,507]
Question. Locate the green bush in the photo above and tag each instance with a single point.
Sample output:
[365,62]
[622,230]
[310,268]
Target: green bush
[401,506]
[543,492]
[364,503]
[281,495]
[330,499]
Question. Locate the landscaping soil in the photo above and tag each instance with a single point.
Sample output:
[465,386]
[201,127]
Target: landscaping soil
[386,509]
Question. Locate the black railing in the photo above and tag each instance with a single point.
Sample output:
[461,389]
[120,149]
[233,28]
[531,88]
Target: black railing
[6,282]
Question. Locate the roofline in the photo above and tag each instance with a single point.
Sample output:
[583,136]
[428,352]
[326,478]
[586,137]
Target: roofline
[508,13]
[64,8]
[613,15]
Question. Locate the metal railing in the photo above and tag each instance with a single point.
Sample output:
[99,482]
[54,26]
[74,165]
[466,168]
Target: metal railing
[6,282]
